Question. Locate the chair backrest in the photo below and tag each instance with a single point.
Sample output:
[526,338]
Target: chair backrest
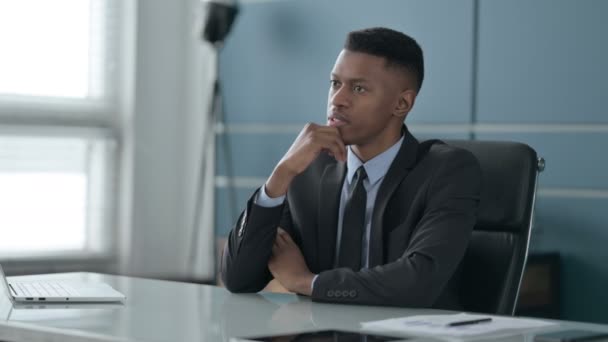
[493,265]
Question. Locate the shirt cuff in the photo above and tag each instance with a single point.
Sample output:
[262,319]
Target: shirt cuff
[263,200]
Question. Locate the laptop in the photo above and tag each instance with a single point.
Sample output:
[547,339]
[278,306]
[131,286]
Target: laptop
[59,291]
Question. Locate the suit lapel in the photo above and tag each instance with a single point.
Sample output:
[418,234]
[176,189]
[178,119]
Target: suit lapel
[399,169]
[329,202]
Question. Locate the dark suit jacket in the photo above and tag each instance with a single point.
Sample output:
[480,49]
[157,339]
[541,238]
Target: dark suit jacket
[421,224]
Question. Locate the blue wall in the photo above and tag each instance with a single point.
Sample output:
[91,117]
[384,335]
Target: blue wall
[532,71]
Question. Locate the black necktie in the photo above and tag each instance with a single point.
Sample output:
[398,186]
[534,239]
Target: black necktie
[353,223]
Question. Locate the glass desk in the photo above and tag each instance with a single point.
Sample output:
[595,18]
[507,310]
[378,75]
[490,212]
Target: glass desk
[158,310]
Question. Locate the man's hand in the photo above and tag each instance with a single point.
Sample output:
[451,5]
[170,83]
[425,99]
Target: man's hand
[311,141]
[287,265]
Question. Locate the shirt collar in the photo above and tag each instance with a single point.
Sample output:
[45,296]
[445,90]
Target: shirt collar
[376,167]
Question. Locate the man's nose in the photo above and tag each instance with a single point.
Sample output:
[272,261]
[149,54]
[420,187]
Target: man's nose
[340,97]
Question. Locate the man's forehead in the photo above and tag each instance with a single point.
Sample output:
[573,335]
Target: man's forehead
[354,65]
[350,77]
[357,65]
[361,59]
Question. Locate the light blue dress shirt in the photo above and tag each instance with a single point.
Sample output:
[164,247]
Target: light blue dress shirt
[376,168]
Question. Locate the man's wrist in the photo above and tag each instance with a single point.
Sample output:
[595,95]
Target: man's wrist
[304,284]
[262,199]
[278,183]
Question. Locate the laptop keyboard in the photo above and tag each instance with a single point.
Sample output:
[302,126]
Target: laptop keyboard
[45,289]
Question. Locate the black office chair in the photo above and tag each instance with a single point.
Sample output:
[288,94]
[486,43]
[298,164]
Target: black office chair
[493,266]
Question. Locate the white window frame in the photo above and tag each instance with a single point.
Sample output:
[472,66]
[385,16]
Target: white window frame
[98,117]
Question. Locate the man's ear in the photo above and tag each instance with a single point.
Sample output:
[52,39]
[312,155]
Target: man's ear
[405,103]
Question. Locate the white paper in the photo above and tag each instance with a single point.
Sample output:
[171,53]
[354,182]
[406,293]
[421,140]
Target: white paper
[438,325]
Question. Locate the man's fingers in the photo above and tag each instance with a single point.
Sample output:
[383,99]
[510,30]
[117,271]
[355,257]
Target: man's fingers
[335,139]
[334,145]
[271,267]
[279,241]
[310,142]
[337,148]
[324,128]
[287,240]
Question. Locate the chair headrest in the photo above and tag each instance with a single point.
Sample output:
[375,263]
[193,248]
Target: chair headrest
[509,171]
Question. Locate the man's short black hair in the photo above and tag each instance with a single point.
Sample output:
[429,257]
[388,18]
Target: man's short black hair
[397,48]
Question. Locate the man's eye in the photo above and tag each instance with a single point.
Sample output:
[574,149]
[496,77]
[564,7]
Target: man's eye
[334,83]
[359,89]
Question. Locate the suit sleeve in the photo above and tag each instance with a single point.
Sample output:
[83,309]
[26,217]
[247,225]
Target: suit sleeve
[435,249]
[244,266]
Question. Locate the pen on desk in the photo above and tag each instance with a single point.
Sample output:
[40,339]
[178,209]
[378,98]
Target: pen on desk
[472,321]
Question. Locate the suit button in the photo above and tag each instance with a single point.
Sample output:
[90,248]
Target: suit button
[345,293]
[330,293]
[337,294]
[353,293]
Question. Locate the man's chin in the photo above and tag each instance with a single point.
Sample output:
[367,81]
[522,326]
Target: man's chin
[346,137]
[347,141]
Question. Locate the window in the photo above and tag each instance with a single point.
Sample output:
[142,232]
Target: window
[59,48]
[59,67]
[52,192]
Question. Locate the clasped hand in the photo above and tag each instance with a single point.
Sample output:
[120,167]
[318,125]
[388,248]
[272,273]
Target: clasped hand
[288,266]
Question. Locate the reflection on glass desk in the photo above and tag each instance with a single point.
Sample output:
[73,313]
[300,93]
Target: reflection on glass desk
[327,336]
[158,310]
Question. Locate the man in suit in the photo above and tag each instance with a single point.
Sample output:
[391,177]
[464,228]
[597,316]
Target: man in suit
[358,211]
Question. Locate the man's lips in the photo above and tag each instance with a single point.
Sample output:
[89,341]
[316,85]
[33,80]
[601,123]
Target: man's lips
[336,120]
